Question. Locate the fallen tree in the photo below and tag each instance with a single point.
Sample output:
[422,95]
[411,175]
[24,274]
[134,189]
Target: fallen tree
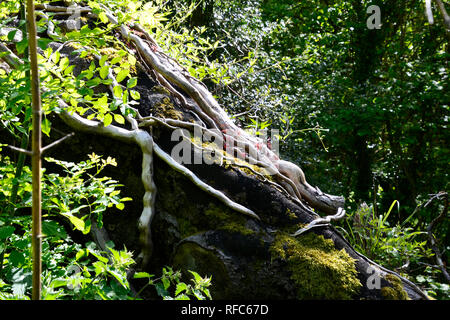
[237,211]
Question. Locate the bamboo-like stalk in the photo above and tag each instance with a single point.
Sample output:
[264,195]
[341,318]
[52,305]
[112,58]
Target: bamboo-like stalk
[36,240]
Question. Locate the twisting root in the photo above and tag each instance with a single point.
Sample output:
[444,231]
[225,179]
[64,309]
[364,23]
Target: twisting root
[202,185]
[145,141]
[321,222]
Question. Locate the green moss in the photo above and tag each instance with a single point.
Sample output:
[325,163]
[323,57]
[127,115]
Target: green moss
[225,220]
[319,270]
[166,109]
[291,214]
[161,89]
[234,227]
[396,292]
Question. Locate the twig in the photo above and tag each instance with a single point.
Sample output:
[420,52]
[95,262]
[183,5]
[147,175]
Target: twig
[55,143]
[16,149]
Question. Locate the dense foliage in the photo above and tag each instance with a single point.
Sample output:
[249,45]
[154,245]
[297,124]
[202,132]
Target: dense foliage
[363,111]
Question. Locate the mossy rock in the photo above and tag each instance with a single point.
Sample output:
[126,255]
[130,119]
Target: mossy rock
[396,291]
[319,270]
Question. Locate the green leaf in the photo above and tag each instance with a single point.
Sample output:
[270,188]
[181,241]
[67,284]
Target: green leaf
[198,294]
[58,283]
[83,54]
[118,92]
[166,283]
[119,118]
[69,70]
[11,35]
[101,259]
[77,222]
[80,254]
[104,71]
[16,258]
[22,46]
[120,206]
[101,104]
[197,277]
[103,17]
[141,275]
[92,66]
[122,75]
[115,60]
[43,43]
[103,60]
[160,290]
[6,232]
[107,119]
[180,288]
[100,267]
[135,95]
[121,278]
[46,126]
[93,82]
[125,96]
[131,83]
[64,63]
[53,229]
[56,56]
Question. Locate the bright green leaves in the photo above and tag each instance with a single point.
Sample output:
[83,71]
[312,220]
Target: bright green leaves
[82,196]
[103,18]
[104,71]
[131,83]
[81,92]
[6,232]
[122,74]
[45,126]
[103,105]
[107,120]
[15,101]
[76,222]
[170,287]
[135,94]
[119,118]
[118,92]
[7,8]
